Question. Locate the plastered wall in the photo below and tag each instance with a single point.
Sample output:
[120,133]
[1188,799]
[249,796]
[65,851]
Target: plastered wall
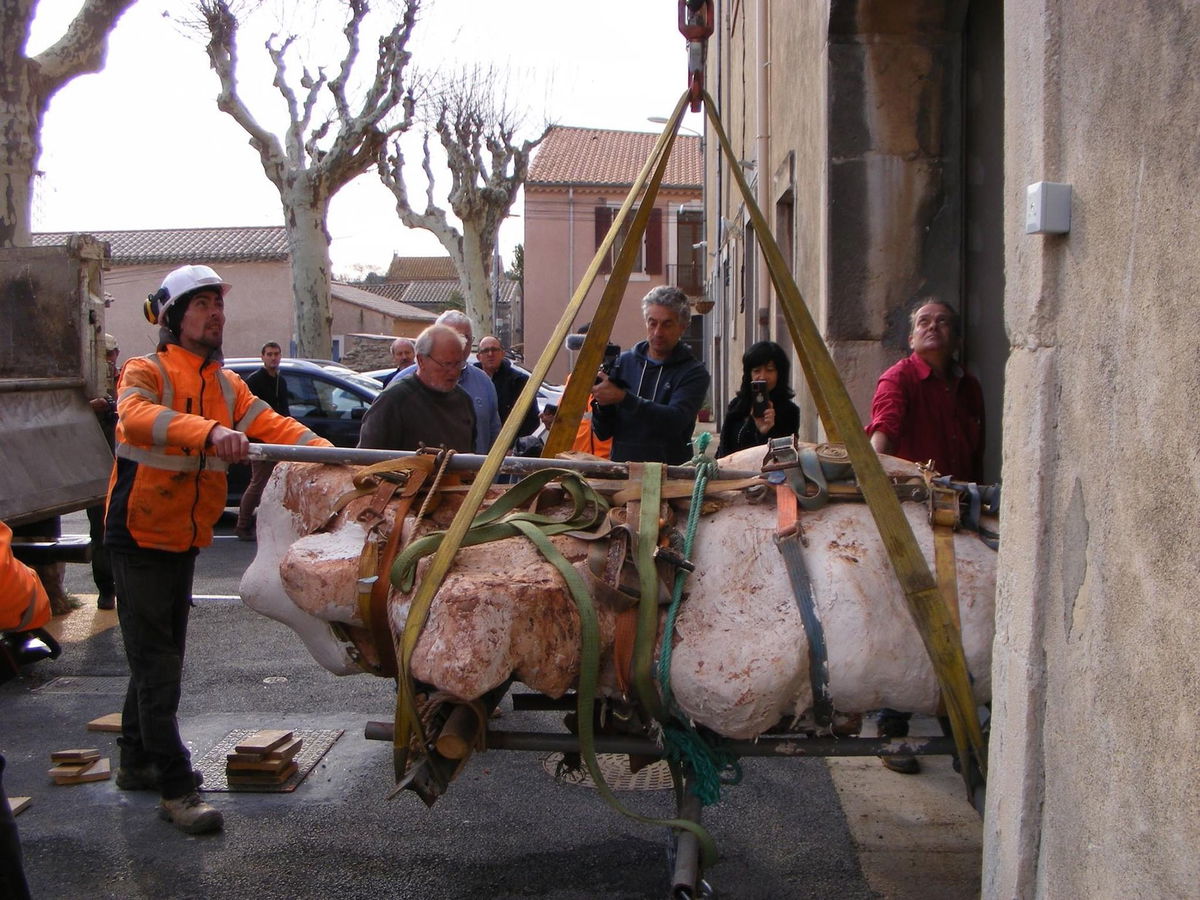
[1096,735]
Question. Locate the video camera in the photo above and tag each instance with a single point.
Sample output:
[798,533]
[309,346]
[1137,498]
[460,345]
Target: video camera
[574,343]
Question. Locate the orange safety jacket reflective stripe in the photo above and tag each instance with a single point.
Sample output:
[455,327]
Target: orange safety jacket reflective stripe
[167,488]
[23,600]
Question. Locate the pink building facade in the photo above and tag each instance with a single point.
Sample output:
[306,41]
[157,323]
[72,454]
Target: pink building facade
[577,181]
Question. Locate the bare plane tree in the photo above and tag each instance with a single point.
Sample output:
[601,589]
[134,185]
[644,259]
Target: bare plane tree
[26,86]
[317,155]
[487,168]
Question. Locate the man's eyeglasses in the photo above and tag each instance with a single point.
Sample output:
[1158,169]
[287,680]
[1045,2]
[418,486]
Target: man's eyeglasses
[451,364]
[490,350]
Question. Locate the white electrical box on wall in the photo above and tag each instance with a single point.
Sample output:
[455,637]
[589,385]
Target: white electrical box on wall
[1047,208]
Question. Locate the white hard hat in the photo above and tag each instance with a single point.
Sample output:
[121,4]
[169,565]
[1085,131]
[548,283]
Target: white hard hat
[179,283]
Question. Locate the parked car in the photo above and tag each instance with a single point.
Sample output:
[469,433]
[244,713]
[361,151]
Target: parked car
[329,398]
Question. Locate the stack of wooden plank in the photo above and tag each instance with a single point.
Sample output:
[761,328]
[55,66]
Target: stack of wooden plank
[79,766]
[266,757]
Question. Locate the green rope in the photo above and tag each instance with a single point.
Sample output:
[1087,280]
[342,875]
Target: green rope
[711,764]
[682,743]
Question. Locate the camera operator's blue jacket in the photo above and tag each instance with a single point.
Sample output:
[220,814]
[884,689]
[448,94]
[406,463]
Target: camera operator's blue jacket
[656,420]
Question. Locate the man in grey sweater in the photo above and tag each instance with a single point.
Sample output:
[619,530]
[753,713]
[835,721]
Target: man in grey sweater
[427,408]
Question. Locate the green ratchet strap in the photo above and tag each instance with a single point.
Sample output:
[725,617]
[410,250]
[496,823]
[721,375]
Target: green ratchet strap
[943,641]
[589,666]
[647,627]
[499,520]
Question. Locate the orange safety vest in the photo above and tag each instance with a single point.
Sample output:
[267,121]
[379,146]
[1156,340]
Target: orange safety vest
[167,489]
[585,439]
[23,600]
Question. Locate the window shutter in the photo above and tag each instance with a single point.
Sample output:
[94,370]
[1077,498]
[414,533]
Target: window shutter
[654,243]
[604,217]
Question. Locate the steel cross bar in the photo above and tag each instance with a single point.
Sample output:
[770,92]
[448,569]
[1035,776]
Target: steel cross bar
[465,462]
[767,745]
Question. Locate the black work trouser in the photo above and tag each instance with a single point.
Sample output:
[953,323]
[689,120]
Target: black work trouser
[101,566]
[260,474]
[12,866]
[155,588]
[893,723]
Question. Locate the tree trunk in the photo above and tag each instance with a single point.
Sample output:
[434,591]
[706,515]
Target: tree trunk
[474,266]
[26,86]
[308,240]
[20,146]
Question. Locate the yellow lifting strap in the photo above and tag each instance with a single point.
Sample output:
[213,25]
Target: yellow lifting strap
[408,722]
[570,407]
[937,627]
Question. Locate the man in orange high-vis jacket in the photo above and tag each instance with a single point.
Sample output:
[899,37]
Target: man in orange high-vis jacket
[182,420]
[23,601]
[23,605]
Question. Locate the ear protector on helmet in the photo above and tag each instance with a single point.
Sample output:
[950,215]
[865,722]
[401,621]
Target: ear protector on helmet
[153,307]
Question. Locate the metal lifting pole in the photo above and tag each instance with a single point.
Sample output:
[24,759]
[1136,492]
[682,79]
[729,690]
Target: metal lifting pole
[466,462]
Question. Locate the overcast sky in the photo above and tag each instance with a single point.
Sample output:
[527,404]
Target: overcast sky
[142,144]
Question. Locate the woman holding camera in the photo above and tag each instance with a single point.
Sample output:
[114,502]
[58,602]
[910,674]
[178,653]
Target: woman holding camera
[762,408]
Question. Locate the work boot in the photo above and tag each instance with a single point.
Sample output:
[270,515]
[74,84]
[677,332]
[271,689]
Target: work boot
[146,778]
[191,814]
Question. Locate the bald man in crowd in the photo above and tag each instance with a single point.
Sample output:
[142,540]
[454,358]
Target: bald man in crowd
[477,385]
[426,408]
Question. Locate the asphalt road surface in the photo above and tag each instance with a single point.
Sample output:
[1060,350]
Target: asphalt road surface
[505,829]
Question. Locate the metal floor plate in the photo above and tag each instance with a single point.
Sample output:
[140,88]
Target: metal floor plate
[212,764]
[85,684]
[615,769]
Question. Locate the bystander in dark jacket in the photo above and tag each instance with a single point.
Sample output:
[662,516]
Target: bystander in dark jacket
[765,361]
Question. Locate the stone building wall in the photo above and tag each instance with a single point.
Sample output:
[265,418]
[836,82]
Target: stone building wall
[1096,735]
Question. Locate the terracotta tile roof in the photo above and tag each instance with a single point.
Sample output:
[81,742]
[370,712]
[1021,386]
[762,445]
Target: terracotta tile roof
[266,243]
[433,295]
[421,268]
[393,290]
[354,294]
[579,156]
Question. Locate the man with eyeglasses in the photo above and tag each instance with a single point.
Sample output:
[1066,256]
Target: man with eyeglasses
[477,385]
[508,381]
[426,408]
[927,407]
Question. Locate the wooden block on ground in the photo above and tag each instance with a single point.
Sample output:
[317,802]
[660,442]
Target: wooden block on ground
[254,764]
[100,770]
[287,750]
[111,722]
[18,805]
[63,770]
[263,742]
[281,754]
[249,778]
[75,756]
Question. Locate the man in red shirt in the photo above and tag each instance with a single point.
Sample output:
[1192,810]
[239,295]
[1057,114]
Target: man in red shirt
[927,407]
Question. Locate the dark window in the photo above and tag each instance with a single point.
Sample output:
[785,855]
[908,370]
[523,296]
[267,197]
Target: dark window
[649,257]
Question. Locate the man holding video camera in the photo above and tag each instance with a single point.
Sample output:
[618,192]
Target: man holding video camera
[647,401]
